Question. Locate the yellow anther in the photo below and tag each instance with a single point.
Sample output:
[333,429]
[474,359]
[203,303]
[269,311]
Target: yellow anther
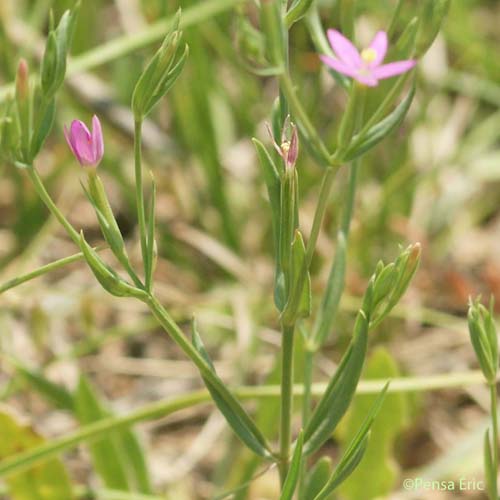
[285,146]
[368,55]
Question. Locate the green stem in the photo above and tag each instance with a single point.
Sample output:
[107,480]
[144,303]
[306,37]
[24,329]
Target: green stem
[306,410]
[286,399]
[139,190]
[45,197]
[494,421]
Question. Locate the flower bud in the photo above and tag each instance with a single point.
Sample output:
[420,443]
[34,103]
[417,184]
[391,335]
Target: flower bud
[484,339]
[87,147]
[160,74]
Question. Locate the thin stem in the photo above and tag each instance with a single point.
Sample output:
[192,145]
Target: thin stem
[52,266]
[494,420]
[45,197]
[306,410]
[139,190]
[286,399]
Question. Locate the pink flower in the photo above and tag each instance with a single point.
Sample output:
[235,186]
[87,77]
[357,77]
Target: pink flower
[365,67]
[88,148]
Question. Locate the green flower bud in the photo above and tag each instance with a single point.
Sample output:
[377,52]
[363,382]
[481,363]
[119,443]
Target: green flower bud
[484,338]
[160,74]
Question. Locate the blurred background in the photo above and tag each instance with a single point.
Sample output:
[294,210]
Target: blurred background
[435,181]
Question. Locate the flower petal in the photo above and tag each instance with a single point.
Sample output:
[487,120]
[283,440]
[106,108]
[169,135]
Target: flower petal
[70,143]
[344,49]
[379,45]
[393,69]
[339,66]
[97,140]
[82,142]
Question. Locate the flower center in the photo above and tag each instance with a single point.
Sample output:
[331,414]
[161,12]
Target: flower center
[285,147]
[368,55]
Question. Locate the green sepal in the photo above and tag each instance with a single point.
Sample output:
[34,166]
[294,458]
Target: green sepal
[43,127]
[392,281]
[96,195]
[355,451]
[160,73]
[235,415]
[301,309]
[340,390]
[297,11]
[272,180]
[287,223]
[292,478]
[366,141]
[484,339]
[272,26]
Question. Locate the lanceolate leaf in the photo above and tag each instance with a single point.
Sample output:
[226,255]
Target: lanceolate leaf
[340,390]
[374,135]
[234,413]
[354,453]
[293,474]
[318,477]
[106,456]
[272,180]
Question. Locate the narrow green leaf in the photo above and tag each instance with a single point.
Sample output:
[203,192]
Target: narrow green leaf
[340,390]
[376,133]
[56,394]
[47,481]
[318,477]
[333,293]
[106,456]
[377,475]
[355,451]
[233,412]
[135,460]
[293,473]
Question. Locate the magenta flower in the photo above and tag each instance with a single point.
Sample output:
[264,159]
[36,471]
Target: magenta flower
[366,66]
[87,147]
